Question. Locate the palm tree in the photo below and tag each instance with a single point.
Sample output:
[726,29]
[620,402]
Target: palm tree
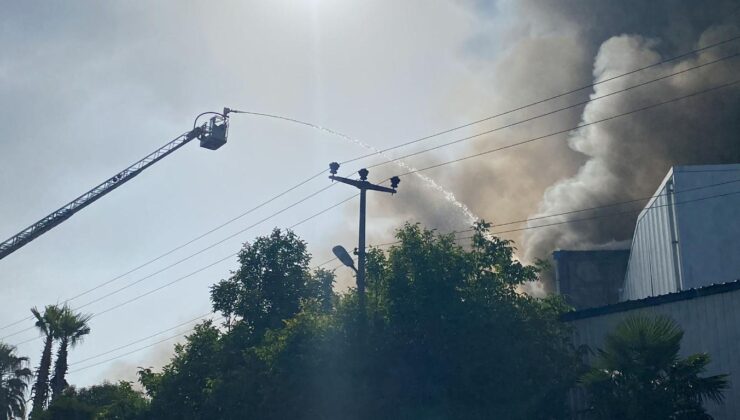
[639,374]
[71,328]
[14,379]
[46,324]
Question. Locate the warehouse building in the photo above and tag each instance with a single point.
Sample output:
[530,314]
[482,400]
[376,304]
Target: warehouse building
[710,318]
[684,263]
[688,235]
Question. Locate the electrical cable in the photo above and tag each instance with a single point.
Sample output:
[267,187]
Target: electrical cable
[555,111]
[137,297]
[427,137]
[136,350]
[198,318]
[177,248]
[390,243]
[415,141]
[531,104]
[579,126]
[641,109]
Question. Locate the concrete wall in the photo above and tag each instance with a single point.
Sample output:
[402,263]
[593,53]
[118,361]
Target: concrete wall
[710,318]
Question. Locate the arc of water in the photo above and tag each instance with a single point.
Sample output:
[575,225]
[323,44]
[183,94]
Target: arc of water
[448,195]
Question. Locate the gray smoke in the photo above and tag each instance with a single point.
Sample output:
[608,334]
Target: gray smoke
[527,50]
[628,157]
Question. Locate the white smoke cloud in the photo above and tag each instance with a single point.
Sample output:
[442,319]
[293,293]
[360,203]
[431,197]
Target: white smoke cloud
[627,157]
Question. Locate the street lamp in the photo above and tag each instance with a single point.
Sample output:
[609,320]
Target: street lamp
[344,257]
[363,185]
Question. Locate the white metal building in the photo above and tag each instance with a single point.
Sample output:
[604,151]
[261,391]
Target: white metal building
[688,235]
[709,317]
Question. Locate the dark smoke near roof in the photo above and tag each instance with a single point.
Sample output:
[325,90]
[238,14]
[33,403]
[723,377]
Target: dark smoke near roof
[527,50]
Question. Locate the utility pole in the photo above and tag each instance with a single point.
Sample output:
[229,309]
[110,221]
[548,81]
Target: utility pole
[363,185]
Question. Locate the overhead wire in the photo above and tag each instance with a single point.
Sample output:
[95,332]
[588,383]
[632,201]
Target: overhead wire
[136,350]
[468,157]
[723,42]
[641,109]
[576,127]
[388,244]
[508,223]
[180,261]
[177,280]
[418,170]
[177,248]
[560,95]
[555,111]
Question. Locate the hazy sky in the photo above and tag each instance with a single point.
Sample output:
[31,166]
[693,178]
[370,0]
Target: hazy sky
[87,88]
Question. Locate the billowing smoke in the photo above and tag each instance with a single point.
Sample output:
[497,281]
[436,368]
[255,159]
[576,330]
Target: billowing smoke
[527,50]
[628,157]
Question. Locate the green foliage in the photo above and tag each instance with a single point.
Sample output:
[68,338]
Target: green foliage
[272,280]
[446,335]
[185,385]
[455,338]
[47,323]
[14,379]
[99,402]
[70,328]
[639,374]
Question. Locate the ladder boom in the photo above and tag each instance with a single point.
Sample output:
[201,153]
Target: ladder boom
[37,229]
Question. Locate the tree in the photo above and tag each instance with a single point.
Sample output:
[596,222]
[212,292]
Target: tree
[70,329]
[446,335]
[14,379]
[453,337]
[272,280]
[215,375]
[183,388]
[47,325]
[106,401]
[639,374]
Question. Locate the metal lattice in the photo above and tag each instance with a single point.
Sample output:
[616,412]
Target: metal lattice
[65,212]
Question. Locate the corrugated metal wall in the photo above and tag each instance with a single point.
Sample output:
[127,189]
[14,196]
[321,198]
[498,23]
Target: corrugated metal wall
[689,236]
[651,269]
[708,220]
[711,324]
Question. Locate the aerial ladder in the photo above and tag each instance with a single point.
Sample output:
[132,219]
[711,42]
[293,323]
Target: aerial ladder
[212,135]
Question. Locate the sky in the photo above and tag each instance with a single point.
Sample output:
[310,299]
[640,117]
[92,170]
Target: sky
[87,88]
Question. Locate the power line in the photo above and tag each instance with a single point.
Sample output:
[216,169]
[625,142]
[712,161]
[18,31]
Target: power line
[177,248]
[549,135]
[574,211]
[178,262]
[493,130]
[616,204]
[412,154]
[407,143]
[583,219]
[578,89]
[137,297]
[621,212]
[136,350]
[480,154]
[634,111]
[494,233]
[198,318]
[129,352]
[387,244]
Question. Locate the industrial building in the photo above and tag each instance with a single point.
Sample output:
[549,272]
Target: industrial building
[590,278]
[688,235]
[709,317]
[683,262]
